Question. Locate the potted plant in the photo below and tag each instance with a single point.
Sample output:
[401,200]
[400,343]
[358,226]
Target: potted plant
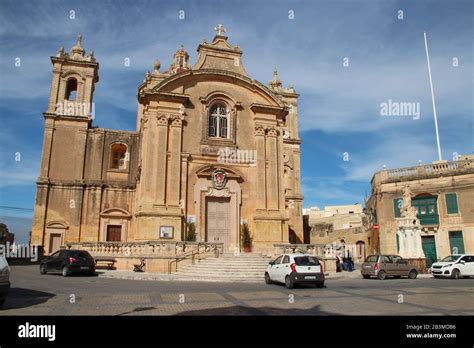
[246,238]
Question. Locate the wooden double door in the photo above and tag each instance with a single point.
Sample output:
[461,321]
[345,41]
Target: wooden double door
[218,220]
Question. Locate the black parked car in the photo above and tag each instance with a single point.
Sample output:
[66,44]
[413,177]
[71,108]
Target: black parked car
[67,262]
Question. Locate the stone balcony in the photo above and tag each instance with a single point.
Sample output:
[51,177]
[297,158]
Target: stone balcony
[424,171]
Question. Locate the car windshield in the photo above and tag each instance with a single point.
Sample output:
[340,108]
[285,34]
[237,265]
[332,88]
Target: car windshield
[371,258]
[306,261]
[450,258]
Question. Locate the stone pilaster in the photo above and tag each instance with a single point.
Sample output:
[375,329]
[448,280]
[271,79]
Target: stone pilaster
[297,171]
[261,167]
[174,168]
[53,95]
[161,156]
[272,173]
[47,145]
[281,174]
[184,181]
[147,179]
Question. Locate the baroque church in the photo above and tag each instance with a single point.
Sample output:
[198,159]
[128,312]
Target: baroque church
[212,146]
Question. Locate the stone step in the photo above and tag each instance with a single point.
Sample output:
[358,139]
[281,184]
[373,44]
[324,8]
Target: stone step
[218,276]
[206,266]
[224,280]
[223,271]
[236,259]
[223,264]
[226,269]
[223,274]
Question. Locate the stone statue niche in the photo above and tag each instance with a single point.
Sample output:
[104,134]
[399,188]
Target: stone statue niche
[407,210]
[409,232]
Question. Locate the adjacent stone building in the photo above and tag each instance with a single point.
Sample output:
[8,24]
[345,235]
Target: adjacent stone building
[212,146]
[339,225]
[442,198]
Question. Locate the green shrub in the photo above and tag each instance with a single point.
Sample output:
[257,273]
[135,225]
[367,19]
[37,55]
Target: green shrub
[245,236]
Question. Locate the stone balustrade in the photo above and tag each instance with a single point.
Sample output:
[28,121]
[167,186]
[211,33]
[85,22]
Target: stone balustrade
[312,249]
[424,171]
[158,248]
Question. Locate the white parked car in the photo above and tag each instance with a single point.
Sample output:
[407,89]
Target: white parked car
[4,279]
[454,266]
[292,269]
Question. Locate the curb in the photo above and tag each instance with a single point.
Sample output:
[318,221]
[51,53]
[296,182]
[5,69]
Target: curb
[329,276]
[179,279]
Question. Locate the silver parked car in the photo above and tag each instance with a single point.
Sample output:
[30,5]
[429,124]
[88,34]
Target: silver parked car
[383,266]
[4,279]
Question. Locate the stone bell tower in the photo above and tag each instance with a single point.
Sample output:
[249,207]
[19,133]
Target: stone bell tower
[74,78]
[67,120]
[70,111]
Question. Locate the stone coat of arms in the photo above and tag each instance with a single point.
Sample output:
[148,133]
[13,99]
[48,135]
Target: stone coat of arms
[219,179]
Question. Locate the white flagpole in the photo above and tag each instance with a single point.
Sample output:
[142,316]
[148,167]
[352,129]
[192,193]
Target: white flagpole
[433,98]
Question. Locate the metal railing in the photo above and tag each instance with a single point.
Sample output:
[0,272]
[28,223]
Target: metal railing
[192,254]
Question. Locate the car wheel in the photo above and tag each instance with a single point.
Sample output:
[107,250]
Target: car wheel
[366,276]
[289,283]
[43,269]
[382,275]
[268,280]
[437,276]
[65,271]
[455,274]
[320,285]
[413,274]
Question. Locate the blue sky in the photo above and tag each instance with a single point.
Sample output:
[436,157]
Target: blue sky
[339,106]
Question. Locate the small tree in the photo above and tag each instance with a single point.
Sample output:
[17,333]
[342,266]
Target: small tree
[3,232]
[246,237]
[190,232]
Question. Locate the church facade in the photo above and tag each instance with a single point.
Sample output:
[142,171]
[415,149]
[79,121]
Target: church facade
[212,147]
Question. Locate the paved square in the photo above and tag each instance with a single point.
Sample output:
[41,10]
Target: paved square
[35,294]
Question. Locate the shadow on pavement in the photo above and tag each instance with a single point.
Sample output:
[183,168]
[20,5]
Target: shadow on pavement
[21,298]
[243,310]
[138,309]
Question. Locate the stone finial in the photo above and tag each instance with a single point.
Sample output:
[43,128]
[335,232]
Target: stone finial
[77,48]
[156,65]
[60,52]
[275,82]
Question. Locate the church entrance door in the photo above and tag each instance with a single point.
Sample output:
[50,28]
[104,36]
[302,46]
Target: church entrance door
[218,220]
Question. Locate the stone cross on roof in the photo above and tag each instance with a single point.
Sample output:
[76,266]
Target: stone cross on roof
[220,29]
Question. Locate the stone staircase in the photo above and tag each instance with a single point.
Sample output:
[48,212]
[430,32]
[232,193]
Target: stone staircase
[245,267]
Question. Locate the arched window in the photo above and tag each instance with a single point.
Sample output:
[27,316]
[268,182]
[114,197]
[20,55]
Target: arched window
[71,89]
[218,121]
[118,156]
